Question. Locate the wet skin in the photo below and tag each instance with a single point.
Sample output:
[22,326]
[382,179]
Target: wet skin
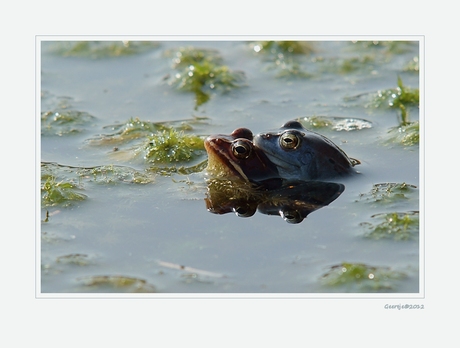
[234,156]
[300,154]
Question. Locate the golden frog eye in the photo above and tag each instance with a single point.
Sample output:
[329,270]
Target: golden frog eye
[289,140]
[241,148]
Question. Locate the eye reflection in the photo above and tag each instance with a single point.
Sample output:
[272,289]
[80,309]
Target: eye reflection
[291,216]
[241,148]
[289,140]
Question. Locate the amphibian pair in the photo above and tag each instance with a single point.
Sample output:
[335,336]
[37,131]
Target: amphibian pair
[290,153]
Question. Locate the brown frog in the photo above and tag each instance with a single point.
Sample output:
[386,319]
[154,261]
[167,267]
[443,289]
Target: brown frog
[235,157]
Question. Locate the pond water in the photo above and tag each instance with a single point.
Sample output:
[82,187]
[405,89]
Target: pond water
[135,227]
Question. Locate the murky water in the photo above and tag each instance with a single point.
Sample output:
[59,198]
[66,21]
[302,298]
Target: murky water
[160,237]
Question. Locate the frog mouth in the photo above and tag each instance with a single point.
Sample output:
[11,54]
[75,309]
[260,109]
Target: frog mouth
[219,159]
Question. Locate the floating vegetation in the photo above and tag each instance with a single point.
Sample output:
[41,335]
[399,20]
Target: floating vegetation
[385,47]
[61,118]
[116,283]
[202,71]
[406,135]
[170,146]
[102,49]
[282,54]
[64,122]
[335,123]
[182,170]
[55,192]
[389,193]
[75,259]
[105,174]
[413,65]
[109,174]
[355,63]
[161,144]
[136,128]
[361,277]
[292,69]
[132,129]
[400,98]
[283,47]
[349,65]
[396,226]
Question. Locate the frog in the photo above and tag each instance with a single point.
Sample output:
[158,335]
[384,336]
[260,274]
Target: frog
[235,157]
[301,154]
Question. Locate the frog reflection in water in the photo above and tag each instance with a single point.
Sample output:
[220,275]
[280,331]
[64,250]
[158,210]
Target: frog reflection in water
[300,154]
[293,202]
[235,157]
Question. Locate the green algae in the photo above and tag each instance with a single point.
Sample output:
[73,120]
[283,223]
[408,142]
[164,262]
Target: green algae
[166,147]
[102,49]
[170,146]
[344,66]
[64,122]
[135,128]
[397,226]
[201,72]
[75,259]
[413,65]
[178,169]
[62,192]
[283,56]
[362,277]
[349,65]
[400,98]
[387,48]
[292,70]
[389,193]
[104,174]
[110,174]
[283,47]
[405,135]
[116,283]
[60,117]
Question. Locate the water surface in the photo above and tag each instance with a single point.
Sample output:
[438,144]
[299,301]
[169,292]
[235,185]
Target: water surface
[161,233]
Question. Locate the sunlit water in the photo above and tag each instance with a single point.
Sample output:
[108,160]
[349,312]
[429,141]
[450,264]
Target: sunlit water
[150,231]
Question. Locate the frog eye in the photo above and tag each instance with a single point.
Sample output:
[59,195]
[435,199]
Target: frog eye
[241,149]
[289,140]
